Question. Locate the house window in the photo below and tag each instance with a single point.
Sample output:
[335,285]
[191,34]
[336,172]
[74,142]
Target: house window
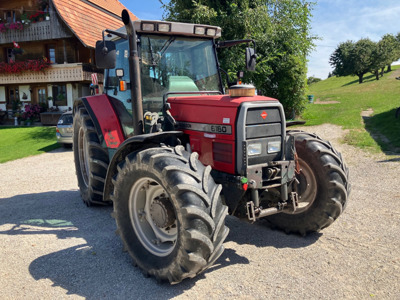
[60,95]
[42,99]
[10,16]
[51,53]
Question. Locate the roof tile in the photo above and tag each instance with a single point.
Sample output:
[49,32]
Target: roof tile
[86,21]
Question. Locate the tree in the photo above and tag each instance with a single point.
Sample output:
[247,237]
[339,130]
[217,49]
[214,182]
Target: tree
[390,50]
[351,58]
[341,59]
[379,59]
[281,29]
[312,79]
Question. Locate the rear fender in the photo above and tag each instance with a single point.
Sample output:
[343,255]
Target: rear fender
[105,119]
[136,143]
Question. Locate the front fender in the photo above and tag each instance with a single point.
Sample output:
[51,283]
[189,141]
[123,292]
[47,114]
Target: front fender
[105,119]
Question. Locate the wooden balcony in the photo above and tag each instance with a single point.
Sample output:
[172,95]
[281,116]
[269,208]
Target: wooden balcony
[44,30]
[56,73]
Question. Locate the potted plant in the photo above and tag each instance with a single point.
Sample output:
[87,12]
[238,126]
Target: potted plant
[16,104]
[24,19]
[17,118]
[3,27]
[60,97]
[37,16]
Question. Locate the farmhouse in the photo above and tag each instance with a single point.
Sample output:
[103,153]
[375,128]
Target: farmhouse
[47,50]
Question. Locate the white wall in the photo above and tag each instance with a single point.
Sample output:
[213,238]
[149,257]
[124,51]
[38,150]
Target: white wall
[24,89]
[50,94]
[70,95]
[3,97]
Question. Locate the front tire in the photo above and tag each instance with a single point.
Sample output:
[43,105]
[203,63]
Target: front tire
[91,160]
[169,213]
[323,187]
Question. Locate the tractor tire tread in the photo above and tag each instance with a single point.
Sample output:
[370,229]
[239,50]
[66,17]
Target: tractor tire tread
[333,188]
[200,212]
[91,190]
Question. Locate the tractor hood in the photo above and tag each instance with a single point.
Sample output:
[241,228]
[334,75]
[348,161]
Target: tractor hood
[216,109]
[216,100]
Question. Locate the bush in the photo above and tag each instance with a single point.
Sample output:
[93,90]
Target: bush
[311,80]
[32,112]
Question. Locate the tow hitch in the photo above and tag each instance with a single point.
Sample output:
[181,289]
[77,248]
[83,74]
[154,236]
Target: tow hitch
[254,213]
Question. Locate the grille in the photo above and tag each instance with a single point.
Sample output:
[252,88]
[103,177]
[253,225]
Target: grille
[263,125]
[259,123]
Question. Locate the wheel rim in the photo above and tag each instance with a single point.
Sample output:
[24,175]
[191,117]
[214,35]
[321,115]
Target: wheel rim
[307,187]
[83,156]
[153,217]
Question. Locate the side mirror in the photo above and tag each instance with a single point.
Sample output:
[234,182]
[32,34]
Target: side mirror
[106,55]
[250,59]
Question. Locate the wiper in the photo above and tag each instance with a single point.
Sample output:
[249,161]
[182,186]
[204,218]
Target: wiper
[155,59]
[166,45]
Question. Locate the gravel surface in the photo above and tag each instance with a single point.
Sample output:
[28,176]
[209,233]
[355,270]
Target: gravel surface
[54,247]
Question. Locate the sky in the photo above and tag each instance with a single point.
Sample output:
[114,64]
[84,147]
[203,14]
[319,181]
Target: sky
[333,21]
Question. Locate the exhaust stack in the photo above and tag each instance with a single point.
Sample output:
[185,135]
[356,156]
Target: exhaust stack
[134,72]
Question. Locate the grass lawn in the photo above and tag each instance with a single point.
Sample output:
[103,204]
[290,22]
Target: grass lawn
[380,131]
[19,142]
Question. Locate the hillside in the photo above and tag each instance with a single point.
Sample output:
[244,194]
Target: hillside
[367,109]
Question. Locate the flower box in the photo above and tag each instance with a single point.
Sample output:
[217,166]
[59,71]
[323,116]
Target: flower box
[50,118]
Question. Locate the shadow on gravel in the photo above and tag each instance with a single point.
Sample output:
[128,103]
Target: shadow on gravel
[386,121]
[95,266]
[261,235]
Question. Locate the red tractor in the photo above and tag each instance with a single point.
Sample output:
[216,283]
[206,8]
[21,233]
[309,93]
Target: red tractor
[174,154]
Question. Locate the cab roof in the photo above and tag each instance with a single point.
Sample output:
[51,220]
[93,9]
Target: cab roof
[174,28]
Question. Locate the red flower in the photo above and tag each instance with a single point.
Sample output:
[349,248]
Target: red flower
[16,26]
[20,66]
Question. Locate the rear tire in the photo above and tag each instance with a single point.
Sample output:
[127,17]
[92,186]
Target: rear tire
[91,160]
[323,186]
[169,213]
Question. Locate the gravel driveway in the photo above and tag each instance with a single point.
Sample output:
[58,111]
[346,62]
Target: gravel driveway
[54,247]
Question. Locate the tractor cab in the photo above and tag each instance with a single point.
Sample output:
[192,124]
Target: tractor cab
[168,63]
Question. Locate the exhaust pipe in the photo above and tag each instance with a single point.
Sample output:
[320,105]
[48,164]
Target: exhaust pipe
[134,74]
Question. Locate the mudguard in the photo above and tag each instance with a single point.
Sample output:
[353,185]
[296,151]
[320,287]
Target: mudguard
[105,119]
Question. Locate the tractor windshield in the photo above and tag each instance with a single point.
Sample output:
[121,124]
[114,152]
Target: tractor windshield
[176,64]
[168,64]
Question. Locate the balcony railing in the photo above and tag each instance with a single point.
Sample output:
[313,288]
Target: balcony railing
[44,30]
[56,73]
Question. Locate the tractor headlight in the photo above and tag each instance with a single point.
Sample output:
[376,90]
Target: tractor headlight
[148,27]
[253,149]
[199,30]
[274,147]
